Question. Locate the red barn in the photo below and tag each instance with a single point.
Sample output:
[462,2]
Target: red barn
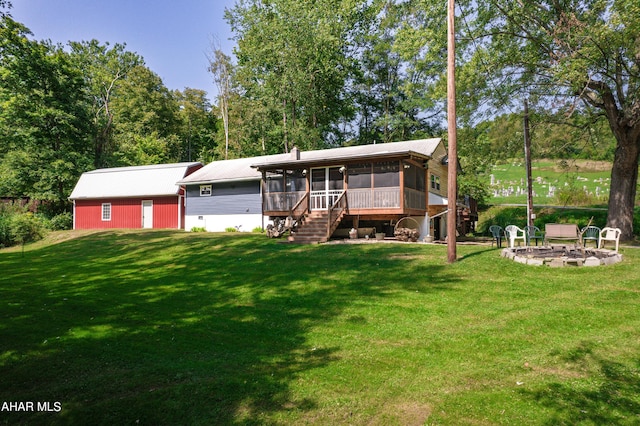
[131,197]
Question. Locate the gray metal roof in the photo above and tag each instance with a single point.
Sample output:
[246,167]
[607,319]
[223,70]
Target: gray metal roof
[136,181]
[423,147]
[247,168]
[228,170]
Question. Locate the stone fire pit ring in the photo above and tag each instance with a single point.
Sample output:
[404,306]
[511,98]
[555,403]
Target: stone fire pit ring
[561,255]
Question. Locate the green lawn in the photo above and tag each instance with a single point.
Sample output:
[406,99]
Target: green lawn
[171,328]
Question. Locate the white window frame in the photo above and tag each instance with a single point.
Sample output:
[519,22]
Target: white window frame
[106,212]
[205,190]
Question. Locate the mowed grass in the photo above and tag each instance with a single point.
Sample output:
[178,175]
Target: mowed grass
[164,327]
[593,176]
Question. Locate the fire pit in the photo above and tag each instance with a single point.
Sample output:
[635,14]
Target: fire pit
[562,255]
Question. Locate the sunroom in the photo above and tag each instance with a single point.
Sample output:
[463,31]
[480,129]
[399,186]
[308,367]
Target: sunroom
[376,187]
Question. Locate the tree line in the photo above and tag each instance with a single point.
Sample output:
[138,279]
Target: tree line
[334,73]
[86,105]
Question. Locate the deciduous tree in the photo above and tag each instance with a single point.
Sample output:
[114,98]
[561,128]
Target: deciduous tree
[103,68]
[293,59]
[43,120]
[567,56]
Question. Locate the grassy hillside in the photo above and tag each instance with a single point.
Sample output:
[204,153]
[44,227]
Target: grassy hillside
[166,327]
[550,178]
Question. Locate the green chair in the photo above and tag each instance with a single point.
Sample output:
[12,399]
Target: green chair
[533,233]
[497,233]
[590,233]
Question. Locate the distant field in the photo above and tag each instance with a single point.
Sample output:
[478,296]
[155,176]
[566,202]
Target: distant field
[509,181]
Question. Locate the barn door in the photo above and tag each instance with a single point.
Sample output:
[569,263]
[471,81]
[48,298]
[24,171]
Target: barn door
[147,214]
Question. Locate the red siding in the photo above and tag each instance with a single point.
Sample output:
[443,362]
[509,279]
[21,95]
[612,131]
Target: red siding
[126,213]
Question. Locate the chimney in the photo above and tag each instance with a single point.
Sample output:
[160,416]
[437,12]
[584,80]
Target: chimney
[295,153]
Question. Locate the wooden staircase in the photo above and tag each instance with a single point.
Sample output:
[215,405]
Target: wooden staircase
[318,225]
[313,229]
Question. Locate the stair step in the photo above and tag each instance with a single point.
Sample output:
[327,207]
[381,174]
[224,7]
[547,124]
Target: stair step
[313,229]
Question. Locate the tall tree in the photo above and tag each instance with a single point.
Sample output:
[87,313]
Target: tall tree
[103,68]
[145,110]
[570,55]
[293,58]
[221,69]
[42,118]
[391,91]
[199,125]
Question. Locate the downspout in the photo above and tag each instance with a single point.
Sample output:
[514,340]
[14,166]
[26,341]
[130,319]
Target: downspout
[401,182]
[179,211]
[262,183]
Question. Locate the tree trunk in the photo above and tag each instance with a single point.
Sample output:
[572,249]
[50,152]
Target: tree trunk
[625,126]
[624,180]
[284,126]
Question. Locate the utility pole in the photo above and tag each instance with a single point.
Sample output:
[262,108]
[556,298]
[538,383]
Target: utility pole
[527,160]
[452,186]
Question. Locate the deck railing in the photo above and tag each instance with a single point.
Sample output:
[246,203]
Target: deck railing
[321,200]
[414,199]
[282,201]
[366,198]
[376,198]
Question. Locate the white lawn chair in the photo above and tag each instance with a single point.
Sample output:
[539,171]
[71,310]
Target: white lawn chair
[514,233]
[609,234]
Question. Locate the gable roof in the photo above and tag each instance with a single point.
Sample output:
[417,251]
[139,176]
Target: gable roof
[421,147]
[135,181]
[249,168]
[228,170]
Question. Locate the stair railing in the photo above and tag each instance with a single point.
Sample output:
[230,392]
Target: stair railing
[298,212]
[336,212]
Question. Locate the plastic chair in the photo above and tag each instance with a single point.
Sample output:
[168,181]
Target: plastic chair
[609,234]
[514,233]
[590,233]
[533,233]
[497,234]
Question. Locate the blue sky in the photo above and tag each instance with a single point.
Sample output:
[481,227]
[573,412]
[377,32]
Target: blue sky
[171,36]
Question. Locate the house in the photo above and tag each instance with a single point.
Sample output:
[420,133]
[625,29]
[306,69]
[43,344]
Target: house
[365,187]
[131,197]
[225,194]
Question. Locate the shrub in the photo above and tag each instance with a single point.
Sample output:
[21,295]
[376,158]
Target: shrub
[230,229]
[504,216]
[6,239]
[198,229]
[61,222]
[7,212]
[257,230]
[26,228]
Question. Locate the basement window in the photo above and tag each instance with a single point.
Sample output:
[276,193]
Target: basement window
[106,212]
